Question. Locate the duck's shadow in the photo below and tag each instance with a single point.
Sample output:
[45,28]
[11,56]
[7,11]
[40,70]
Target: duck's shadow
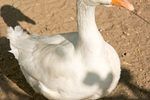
[12,16]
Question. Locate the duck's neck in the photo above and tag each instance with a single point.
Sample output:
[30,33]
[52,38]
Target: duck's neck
[89,36]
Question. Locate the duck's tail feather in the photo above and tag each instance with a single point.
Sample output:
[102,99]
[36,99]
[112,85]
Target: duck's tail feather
[16,37]
[16,33]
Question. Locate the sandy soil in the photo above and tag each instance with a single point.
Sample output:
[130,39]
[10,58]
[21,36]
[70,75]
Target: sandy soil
[128,33]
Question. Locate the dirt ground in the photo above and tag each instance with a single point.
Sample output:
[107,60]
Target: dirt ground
[127,32]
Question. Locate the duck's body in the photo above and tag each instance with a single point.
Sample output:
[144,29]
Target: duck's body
[68,66]
[54,68]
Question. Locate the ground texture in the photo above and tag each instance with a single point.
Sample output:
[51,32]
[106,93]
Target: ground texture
[127,32]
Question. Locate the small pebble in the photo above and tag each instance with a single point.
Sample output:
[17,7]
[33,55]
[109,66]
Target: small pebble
[72,18]
[141,69]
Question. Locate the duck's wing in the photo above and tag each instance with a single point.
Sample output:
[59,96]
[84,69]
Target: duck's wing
[40,55]
[72,37]
[19,39]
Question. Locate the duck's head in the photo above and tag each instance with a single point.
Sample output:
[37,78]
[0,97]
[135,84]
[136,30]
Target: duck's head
[123,3]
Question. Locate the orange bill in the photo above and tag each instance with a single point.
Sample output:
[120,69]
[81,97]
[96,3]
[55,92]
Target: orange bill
[124,3]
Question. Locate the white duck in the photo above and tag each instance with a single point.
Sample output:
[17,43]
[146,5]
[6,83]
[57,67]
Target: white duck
[70,66]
